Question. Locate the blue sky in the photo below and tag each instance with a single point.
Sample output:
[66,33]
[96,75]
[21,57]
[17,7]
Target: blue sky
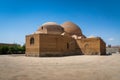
[95,17]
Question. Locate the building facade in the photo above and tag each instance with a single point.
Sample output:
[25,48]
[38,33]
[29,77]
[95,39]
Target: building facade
[52,39]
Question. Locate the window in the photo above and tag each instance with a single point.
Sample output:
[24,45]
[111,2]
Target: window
[67,45]
[31,41]
[42,27]
[86,46]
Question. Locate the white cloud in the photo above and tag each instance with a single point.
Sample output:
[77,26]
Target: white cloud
[111,39]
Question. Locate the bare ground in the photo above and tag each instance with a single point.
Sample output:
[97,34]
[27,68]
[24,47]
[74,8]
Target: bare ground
[86,67]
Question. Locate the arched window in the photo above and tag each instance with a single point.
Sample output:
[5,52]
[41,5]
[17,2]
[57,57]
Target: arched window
[86,46]
[67,45]
[42,27]
[31,41]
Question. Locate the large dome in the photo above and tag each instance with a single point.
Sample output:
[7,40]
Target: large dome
[71,28]
[50,28]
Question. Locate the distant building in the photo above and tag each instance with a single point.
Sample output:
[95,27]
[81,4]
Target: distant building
[52,39]
[7,44]
[113,49]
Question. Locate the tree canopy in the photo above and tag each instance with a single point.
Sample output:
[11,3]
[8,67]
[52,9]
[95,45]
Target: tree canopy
[15,49]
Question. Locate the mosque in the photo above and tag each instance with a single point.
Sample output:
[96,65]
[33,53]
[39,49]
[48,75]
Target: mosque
[52,39]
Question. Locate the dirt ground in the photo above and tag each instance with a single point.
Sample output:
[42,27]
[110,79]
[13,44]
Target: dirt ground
[80,67]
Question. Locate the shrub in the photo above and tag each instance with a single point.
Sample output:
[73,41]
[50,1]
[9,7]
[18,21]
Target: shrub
[4,49]
[15,49]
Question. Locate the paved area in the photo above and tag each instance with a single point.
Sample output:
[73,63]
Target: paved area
[85,67]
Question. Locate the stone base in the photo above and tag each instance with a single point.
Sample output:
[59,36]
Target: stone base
[32,54]
[57,54]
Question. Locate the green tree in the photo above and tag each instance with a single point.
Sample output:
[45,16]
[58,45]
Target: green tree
[4,49]
[15,49]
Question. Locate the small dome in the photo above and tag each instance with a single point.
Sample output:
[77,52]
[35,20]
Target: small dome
[50,28]
[71,28]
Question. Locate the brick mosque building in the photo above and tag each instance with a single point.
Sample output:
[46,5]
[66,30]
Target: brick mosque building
[52,39]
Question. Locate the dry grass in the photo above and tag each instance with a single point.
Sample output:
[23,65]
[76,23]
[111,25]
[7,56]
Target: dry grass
[19,67]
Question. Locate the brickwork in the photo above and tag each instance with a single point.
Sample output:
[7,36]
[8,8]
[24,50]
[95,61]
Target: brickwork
[92,46]
[33,49]
[50,44]
[51,40]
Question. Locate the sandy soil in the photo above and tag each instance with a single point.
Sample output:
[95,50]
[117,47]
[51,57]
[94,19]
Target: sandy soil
[19,67]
